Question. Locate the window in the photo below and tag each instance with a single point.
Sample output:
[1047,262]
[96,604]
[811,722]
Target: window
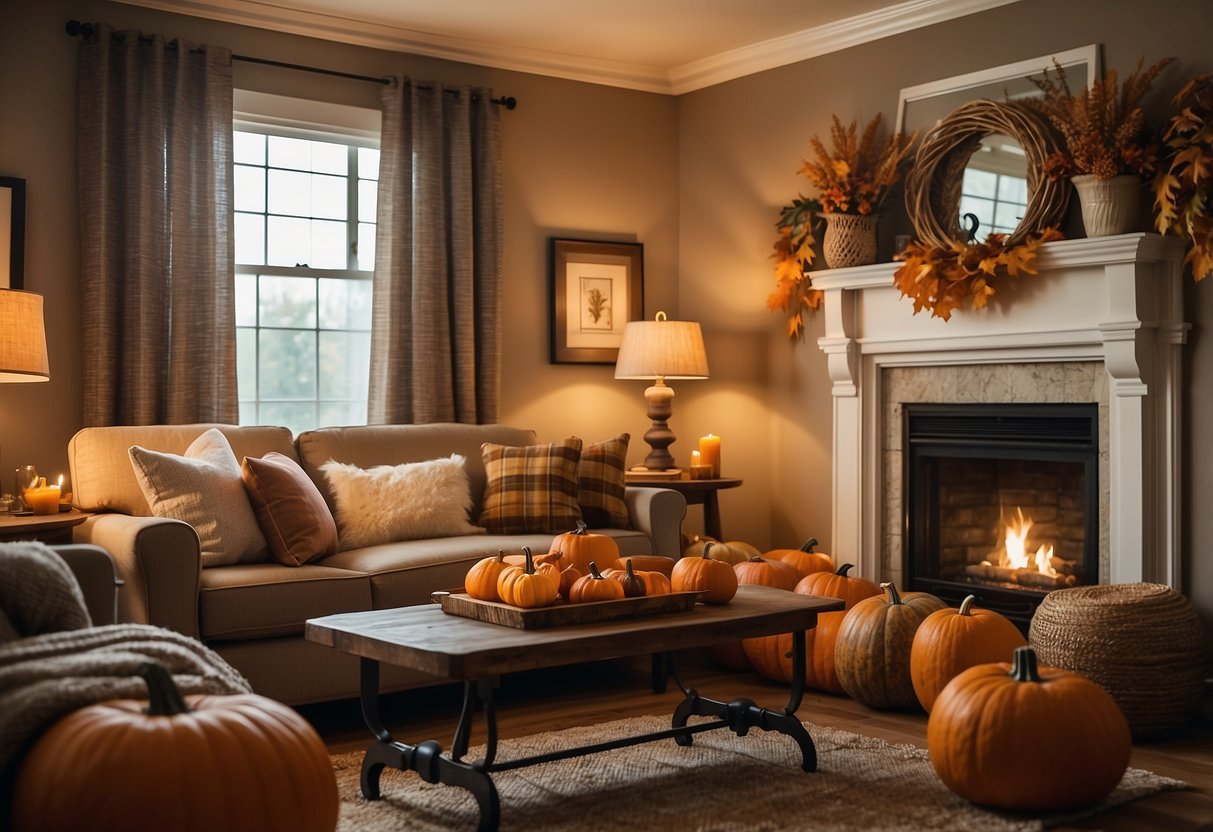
[305,253]
[995,186]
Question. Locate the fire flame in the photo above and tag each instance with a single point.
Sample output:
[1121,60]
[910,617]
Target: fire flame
[1015,554]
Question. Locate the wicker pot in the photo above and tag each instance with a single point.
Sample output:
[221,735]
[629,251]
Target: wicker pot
[1109,206]
[850,240]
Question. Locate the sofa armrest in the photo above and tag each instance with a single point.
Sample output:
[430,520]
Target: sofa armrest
[93,569]
[658,512]
[159,563]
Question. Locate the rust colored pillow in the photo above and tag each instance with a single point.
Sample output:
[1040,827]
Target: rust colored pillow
[292,513]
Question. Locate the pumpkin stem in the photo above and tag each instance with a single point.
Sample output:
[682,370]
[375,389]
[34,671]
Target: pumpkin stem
[706,546]
[757,560]
[581,528]
[501,555]
[894,595]
[594,571]
[808,545]
[1023,665]
[966,605]
[628,566]
[530,560]
[163,697]
[844,569]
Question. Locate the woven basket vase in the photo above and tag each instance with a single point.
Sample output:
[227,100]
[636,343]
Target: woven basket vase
[1143,643]
[849,240]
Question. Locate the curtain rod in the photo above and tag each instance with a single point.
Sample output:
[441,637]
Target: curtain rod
[75,28]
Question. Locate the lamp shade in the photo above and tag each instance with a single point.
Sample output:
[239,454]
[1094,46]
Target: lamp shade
[22,337]
[662,349]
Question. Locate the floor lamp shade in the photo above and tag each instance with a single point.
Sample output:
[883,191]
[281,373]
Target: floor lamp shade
[661,349]
[22,337]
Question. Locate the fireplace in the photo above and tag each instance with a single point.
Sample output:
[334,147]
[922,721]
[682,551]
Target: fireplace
[1001,501]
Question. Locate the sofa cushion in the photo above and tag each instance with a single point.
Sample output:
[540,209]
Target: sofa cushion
[600,483]
[531,489]
[203,488]
[293,516]
[261,600]
[102,476]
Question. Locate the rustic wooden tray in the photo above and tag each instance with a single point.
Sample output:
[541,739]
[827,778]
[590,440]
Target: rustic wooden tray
[561,614]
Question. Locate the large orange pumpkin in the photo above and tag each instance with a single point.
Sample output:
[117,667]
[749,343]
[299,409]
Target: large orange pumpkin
[764,572]
[1027,738]
[951,640]
[242,763]
[580,546]
[715,579]
[872,651]
[804,560]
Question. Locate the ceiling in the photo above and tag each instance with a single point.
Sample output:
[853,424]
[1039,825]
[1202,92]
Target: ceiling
[665,46]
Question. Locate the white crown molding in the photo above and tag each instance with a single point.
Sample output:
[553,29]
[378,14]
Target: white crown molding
[727,66]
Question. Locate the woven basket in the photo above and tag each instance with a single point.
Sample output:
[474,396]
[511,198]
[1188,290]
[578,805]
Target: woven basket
[1143,643]
[849,240]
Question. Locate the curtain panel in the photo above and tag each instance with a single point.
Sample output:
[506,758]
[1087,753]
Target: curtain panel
[436,331]
[156,248]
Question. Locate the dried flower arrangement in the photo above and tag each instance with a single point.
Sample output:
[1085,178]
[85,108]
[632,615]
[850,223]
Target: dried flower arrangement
[1103,128]
[854,177]
[1184,185]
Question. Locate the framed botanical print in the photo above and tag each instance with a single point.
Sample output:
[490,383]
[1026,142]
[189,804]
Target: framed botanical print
[12,233]
[597,288]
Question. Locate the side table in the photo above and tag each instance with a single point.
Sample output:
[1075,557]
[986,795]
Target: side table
[51,529]
[696,492]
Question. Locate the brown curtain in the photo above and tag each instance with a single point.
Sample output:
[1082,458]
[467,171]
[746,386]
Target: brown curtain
[435,332]
[157,265]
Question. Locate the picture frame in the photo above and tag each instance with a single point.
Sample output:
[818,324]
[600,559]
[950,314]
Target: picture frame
[12,233]
[597,287]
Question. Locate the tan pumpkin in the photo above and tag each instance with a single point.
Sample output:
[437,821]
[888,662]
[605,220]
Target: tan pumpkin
[580,546]
[190,764]
[804,560]
[523,586]
[732,551]
[766,572]
[655,583]
[595,587]
[952,640]
[481,580]
[692,547]
[1027,738]
[872,651]
[715,579]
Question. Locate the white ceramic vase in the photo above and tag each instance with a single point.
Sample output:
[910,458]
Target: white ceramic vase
[849,240]
[1109,206]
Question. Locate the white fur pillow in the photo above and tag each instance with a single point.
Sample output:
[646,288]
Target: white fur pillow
[204,489]
[400,502]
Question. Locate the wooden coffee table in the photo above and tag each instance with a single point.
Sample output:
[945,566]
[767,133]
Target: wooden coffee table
[476,652]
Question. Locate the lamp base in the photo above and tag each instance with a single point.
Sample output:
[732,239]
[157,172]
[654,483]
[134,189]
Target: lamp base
[656,474]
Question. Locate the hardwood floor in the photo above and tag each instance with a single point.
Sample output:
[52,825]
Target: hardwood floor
[545,700]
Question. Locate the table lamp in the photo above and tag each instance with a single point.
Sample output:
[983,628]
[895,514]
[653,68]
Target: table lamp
[22,338]
[661,349]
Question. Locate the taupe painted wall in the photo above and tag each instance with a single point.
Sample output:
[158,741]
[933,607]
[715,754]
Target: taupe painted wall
[740,145]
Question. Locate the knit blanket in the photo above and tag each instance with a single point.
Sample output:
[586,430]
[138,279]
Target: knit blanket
[53,662]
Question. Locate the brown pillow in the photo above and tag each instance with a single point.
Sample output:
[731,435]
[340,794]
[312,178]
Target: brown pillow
[292,513]
[531,489]
[601,484]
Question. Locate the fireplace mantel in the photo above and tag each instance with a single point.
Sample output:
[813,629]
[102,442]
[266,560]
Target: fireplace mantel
[1117,300]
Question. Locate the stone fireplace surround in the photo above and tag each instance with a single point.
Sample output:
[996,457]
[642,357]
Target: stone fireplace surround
[1101,322]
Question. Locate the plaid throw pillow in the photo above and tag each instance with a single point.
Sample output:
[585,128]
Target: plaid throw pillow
[531,489]
[600,483]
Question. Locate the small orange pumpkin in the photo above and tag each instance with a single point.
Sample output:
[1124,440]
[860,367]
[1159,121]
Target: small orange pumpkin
[633,585]
[804,560]
[766,572]
[580,546]
[715,579]
[523,586]
[595,587]
[481,580]
[838,584]
[656,583]
[568,577]
[952,640]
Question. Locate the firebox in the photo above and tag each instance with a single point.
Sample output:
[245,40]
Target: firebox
[1002,501]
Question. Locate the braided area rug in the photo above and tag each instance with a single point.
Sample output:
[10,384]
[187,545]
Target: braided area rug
[723,783]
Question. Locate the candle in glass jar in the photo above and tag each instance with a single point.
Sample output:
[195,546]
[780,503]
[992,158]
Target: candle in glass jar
[42,498]
[709,452]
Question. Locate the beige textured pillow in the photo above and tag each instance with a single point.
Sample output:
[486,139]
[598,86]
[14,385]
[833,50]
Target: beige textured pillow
[400,502]
[203,488]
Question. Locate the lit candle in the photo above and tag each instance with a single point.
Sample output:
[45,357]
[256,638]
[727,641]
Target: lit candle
[42,498]
[709,452]
[694,457]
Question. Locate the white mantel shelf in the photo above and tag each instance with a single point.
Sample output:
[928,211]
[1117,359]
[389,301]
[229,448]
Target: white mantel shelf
[1112,299]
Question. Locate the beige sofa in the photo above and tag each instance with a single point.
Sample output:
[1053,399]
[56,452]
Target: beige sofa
[253,613]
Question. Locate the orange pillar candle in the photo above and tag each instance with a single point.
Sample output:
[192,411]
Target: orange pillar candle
[42,498]
[709,452]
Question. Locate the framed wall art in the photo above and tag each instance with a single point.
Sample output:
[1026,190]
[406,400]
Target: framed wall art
[12,233]
[596,288]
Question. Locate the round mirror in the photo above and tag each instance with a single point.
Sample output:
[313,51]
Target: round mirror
[979,171]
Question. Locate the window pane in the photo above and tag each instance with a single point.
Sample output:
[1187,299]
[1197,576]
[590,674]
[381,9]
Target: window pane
[246,363]
[288,301]
[368,162]
[248,148]
[341,413]
[250,188]
[1013,189]
[368,192]
[328,245]
[288,242]
[366,246]
[291,153]
[328,157]
[250,239]
[344,359]
[345,304]
[248,414]
[290,193]
[329,197]
[298,416]
[979,182]
[1007,216]
[246,300]
[286,365]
